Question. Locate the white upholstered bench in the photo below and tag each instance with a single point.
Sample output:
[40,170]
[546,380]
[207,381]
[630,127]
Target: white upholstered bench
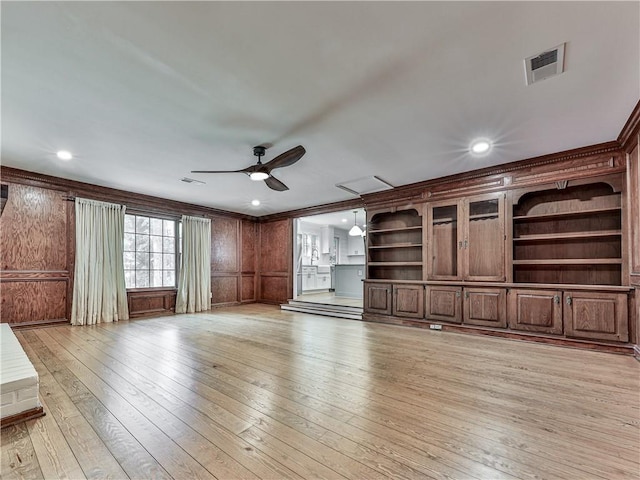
[18,381]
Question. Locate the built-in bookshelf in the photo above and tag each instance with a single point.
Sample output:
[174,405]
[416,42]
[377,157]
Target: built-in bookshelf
[395,245]
[568,236]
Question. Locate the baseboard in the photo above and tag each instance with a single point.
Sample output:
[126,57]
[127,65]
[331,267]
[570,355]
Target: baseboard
[624,349]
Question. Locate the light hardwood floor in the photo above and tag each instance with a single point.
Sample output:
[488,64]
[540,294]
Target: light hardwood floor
[255,392]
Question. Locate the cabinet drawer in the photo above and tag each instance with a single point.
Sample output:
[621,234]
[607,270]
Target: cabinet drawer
[535,310]
[444,303]
[594,315]
[485,306]
[408,301]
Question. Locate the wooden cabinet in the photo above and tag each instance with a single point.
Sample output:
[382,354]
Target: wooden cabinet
[377,298]
[485,306]
[394,244]
[535,310]
[595,315]
[408,301]
[465,239]
[569,234]
[588,315]
[444,303]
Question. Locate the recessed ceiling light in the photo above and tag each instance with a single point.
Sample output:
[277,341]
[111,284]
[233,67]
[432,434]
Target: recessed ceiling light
[64,155]
[480,146]
[255,203]
[344,220]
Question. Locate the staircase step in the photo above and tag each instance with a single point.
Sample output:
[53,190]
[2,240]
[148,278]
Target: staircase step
[326,306]
[322,311]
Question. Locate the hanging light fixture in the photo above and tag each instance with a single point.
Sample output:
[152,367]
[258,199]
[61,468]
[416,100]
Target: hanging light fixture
[355,230]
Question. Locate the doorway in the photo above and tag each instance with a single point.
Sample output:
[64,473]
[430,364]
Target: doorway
[330,262]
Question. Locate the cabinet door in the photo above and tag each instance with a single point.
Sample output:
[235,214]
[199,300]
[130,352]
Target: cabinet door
[444,303]
[535,310]
[408,301]
[308,278]
[595,315]
[377,298]
[484,239]
[444,241]
[323,281]
[485,306]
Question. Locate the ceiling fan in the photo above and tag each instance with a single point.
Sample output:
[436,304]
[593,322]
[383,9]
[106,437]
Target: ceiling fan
[262,171]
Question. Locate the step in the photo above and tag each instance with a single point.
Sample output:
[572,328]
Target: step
[326,309]
[325,306]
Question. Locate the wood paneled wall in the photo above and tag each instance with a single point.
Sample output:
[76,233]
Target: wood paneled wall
[233,261]
[37,249]
[276,261]
[34,254]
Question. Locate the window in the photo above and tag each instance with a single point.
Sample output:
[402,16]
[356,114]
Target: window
[150,252]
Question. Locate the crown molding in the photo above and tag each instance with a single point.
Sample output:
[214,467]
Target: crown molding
[135,201]
[628,137]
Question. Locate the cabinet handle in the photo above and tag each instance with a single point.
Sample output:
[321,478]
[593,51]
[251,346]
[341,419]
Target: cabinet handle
[466,244]
[569,300]
[466,295]
[556,299]
[460,244]
[458,294]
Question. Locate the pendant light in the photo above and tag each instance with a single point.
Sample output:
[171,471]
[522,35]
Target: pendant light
[355,230]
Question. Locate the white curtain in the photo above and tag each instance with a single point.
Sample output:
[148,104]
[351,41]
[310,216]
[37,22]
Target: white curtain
[99,292]
[194,283]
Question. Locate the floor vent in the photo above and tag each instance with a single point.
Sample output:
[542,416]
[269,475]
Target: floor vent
[544,65]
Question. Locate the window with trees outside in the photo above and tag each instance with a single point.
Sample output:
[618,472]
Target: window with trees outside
[151,251]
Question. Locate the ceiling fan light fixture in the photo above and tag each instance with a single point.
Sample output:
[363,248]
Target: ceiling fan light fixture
[257,176]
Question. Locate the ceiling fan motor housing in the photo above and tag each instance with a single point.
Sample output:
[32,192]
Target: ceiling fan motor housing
[259,151]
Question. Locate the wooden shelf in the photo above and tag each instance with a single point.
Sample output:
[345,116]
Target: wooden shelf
[563,236]
[576,213]
[399,229]
[396,245]
[443,221]
[571,261]
[483,216]
[394,264]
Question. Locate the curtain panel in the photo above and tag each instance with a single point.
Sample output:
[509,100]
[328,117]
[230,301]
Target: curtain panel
[194,283]
[99,292]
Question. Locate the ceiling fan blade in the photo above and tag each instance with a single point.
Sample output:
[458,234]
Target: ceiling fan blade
[286,159]
[275,184]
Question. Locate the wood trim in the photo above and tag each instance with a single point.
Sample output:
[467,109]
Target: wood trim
[631,130]
[33,275]
[523,336]
[487,176]
[135,201]
[560,286]
[22,417]
[316,210]
[38,323]
[636,352]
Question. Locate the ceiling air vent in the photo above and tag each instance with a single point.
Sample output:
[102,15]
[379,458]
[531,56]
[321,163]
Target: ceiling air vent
[544,65]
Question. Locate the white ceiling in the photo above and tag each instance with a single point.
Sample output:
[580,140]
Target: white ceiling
[336,219]
[144,92]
